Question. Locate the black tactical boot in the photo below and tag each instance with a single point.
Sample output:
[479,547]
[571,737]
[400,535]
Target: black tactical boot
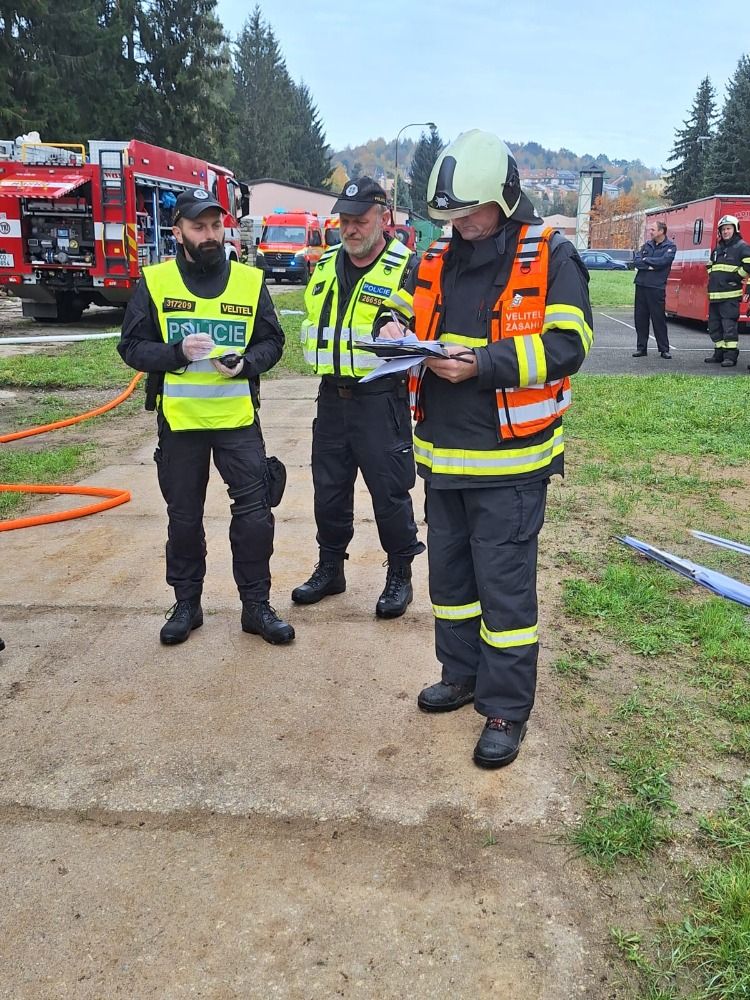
[499,743]
[328,578]
[397,594]
[731,355]
[182,618]
[716,358]
[445,697]
[259,618]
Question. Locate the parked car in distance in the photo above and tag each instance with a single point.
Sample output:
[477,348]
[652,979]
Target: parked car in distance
[597,260]
[626,256]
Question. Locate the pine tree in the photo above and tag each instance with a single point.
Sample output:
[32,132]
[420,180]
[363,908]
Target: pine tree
[182,47]
[279,131]
[428,149]
[309,155]
[687,179]
[19,66]
[263,93]
[729,161]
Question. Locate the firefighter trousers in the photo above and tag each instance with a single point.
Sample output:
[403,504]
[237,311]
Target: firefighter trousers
[365,428]
[183,461]
[482,553]
[723,319]
[649,306]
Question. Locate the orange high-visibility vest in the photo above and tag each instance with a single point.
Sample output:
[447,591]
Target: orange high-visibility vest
[518,312]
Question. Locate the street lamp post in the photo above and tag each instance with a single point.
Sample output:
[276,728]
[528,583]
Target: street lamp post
[395,176]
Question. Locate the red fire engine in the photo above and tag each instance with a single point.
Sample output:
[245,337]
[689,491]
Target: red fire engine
[77,227]
[692,226]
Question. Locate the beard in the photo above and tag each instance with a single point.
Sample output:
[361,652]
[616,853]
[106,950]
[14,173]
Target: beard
[207,254]
[363,248]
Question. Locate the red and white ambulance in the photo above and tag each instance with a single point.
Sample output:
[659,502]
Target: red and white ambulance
[692,225]
[77,224]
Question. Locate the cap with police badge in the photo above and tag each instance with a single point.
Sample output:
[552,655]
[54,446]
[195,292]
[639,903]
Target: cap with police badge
[190,204]
[359,195]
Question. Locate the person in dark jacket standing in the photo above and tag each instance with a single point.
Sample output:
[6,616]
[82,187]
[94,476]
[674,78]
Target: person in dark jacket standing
[653,263]
[359,426]
[206,328]
[508,299]
[728,265]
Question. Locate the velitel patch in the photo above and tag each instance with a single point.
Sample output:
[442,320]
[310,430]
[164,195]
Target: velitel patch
[177,305]
[229,309]
[370,300]
[318,288]
[376,289]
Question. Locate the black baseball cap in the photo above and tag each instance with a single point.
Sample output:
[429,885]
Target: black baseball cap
[190,204]
[359,195]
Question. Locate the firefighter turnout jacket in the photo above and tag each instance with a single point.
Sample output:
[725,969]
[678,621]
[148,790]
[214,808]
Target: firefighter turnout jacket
[334,323]
[520,300]
[230,303]
[728,265]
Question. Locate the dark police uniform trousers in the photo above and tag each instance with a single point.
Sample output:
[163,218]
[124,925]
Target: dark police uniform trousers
[183,461]
[364,427]
[649,305]
[482,547]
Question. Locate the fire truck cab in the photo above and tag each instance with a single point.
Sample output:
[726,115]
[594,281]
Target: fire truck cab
[77,225]
[693,227]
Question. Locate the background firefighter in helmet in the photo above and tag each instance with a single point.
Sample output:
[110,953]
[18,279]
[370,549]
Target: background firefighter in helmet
[728,265]
[364,427]
[185,316]
[509,298]
[653,263]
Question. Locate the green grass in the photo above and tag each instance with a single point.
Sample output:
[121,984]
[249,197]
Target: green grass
[612,288]
[706,954]
[49,466]
[632,417]
[93,364]
[292,361]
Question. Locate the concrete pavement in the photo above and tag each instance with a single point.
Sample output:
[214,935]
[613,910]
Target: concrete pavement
[230,819]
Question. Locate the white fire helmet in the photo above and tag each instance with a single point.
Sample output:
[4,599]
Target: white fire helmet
[475,170]
[729,220]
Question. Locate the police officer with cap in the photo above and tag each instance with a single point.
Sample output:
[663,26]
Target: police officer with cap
[358,426]
[508,298]
[205,329]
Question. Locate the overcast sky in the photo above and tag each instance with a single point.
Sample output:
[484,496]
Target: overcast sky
[615,78]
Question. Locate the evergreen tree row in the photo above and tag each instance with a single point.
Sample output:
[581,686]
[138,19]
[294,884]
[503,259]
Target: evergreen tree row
[163,71]
[711,152]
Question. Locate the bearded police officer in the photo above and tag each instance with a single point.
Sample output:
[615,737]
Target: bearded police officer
[728,265]
[508,297]
[185,317]
[358,426]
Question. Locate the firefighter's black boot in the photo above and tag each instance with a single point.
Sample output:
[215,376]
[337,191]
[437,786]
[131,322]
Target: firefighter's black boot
[730,357]
[397,594]
[259,618]
[328,578]
[2,644]
[182,618]
[716,358]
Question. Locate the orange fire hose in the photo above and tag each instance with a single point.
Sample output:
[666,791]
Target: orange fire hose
[113,497]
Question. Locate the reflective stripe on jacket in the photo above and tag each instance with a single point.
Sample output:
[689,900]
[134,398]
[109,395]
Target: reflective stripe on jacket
[519,311]
[331,327]
[199,398]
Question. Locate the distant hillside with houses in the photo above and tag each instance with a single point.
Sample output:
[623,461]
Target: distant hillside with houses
[538,166]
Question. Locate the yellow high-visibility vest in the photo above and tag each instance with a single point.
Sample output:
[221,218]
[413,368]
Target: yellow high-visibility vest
[199,398]
[329,346]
